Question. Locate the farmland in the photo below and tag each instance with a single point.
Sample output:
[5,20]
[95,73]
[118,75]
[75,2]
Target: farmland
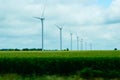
[59,54]
[85,64]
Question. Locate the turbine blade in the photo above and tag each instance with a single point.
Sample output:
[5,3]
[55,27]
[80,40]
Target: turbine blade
[57,26]
[37,17]
[44,8]
[43,12]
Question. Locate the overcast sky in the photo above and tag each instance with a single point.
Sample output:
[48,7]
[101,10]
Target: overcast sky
[97,22]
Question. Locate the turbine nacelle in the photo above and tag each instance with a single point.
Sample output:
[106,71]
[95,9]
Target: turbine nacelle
[59,27]
[41,18]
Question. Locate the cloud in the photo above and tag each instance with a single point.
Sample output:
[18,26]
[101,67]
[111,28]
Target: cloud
[113,12]
[86,18]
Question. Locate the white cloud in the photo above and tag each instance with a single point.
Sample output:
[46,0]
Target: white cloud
[85,18]
[115,8]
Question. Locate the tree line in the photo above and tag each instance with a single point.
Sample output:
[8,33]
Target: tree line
[30,49]
[24,49]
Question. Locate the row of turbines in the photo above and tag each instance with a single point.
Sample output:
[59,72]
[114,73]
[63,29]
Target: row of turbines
[71,34]
[42,18]
[83,45]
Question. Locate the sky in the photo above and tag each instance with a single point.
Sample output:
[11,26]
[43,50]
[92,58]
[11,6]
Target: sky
[97,22]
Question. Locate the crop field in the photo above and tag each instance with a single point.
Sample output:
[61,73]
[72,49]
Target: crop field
[84,64]
[59,54]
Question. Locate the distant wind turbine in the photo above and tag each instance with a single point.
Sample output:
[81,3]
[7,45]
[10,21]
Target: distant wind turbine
[91,46]
[71,40]
[85,45]
[60,28]
[81,44]
[42,18]
[77,43]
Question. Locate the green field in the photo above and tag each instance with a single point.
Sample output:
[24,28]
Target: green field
[59,64]
[59,54]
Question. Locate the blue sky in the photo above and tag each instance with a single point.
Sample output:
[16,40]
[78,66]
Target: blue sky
[105,3]
[94,21]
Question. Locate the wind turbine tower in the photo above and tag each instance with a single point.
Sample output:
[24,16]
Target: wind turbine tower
[60,28]
[77,43]
[85,45]
[42,25]
[90,46]
[81,44]
[71,40]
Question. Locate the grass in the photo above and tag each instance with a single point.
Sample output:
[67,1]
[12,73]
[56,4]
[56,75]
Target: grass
[47,77]
[59,54]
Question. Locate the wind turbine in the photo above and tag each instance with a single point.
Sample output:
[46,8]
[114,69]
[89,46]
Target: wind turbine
[42,18]
[77,43]
[81,44]
[85,45]
[71,40]
[60,28]
[90,46]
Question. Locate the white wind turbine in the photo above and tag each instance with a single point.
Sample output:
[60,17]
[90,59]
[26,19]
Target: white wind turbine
[60,28]
[81,44]
[71,35]
[42,18]
[77,42]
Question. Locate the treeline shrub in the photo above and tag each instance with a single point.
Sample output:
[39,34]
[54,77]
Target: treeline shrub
[87,67]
